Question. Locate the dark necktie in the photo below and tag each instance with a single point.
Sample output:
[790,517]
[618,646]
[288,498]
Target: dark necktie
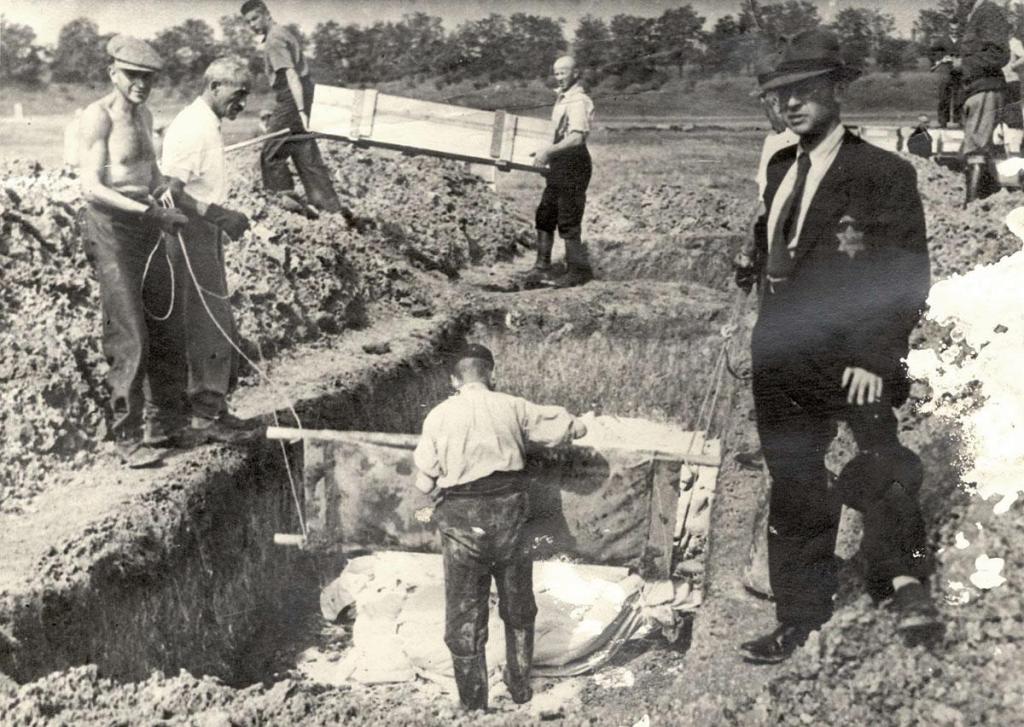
[780,262]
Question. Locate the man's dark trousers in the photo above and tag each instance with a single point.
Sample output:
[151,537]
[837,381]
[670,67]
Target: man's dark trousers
[212,361]
[146,355]
[950,95]
[564,200]
[799,400]
[483,535]
[304,152]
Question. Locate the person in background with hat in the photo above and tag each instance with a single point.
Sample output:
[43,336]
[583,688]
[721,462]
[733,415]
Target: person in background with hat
[142,336]
[293,95]
[983,52]
[194,154]
[845,275]
[469,458]
[568,176]
[948,81]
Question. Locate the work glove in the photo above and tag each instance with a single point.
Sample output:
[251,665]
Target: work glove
[745,272]
[173,185]
[169,219]
[233,223]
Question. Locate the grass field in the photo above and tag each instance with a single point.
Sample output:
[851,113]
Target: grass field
[876,97]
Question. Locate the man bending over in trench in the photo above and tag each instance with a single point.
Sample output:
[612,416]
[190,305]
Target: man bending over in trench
[469,459]
[142,333]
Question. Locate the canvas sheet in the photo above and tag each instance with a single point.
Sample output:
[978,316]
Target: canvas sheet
[585,614]
[609,499]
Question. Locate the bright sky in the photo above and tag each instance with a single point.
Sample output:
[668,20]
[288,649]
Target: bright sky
[146,18]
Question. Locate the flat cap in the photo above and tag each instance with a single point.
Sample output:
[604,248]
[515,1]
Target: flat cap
[133,54]
[474,350]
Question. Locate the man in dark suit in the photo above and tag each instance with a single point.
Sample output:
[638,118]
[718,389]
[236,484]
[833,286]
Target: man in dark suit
[843,262]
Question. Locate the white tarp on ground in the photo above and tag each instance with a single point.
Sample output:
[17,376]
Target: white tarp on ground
[585,614]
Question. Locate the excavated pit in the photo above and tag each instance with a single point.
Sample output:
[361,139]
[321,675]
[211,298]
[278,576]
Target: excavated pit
[206,590]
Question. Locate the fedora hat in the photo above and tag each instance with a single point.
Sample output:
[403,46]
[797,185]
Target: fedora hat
[806,55]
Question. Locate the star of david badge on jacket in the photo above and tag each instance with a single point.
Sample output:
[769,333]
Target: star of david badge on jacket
[851,240]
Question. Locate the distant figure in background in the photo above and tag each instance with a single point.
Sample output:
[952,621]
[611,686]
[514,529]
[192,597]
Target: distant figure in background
[142,337]
[780,138]
[565,194]
[1012,116]
[919,143]
[1011,71]
[194,154]
[293,88]
[983,51]
[949,82]
[470,458]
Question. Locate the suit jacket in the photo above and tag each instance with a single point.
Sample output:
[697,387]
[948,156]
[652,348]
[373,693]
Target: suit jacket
[862,273]
[985,49]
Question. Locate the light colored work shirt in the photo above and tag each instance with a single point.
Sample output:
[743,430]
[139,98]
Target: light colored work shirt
[573,111]
[773,143]
[1016,56]
[822,157]
[194,153]
[478,432]
[281,50]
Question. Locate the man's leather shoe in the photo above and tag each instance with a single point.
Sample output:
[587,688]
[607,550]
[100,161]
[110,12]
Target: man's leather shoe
[573,278]
[135,454]
[750,459]
[776,646]
[225,429]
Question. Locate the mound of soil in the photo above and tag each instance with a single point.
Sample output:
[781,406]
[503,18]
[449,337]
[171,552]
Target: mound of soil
[294,280]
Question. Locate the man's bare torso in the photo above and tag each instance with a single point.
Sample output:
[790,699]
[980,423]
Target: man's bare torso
[130,153]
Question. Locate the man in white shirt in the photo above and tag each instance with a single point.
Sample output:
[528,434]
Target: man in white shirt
[193,153]
[568,176]
[470,457]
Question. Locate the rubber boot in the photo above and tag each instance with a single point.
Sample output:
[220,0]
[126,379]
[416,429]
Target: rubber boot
[519,660]
[577,260]
[538,274]
[973,176]
[545,241]
[471,679]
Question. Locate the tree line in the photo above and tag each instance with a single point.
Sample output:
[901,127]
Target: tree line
[623,50]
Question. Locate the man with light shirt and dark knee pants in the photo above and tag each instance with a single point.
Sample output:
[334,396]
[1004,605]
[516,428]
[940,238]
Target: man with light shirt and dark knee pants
[470,459]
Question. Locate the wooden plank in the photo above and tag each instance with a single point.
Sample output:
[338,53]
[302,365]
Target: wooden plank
[427,127]
[701,454]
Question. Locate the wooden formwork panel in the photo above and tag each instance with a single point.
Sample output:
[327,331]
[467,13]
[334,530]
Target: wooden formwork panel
[426,127]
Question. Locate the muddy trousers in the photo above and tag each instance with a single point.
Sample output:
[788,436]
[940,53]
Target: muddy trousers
[304,153]
[798,405]
[143,338]
[212,361]
[483,536]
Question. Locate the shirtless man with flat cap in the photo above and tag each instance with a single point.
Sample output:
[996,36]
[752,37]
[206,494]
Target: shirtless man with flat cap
[142,335]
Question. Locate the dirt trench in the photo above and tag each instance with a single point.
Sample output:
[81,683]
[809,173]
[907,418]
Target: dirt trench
[172,579]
